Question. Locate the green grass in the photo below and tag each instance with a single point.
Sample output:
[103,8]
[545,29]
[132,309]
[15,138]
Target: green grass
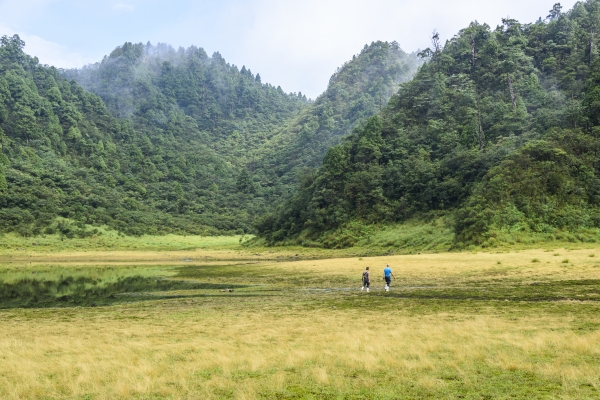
[412,236]
[431,235]
[111,240]
[528,239]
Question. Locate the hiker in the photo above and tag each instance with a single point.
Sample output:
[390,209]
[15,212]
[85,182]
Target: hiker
[387,276]
[366,278]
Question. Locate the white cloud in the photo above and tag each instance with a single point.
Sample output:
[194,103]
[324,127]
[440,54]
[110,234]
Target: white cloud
[300,44]
[49,52]
[123,7]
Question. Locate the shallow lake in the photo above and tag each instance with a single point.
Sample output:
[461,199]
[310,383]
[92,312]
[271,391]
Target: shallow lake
[63,287]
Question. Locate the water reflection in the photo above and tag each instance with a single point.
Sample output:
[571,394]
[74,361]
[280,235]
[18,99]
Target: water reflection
[90,288]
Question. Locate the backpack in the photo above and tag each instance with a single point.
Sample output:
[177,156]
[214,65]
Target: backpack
[366,276]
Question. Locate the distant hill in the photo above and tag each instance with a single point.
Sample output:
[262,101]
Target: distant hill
[148,84]
[358,90]
[267,136]
[153,140]
[498,131]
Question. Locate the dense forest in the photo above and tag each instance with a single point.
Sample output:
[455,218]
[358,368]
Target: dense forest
[267,136]
[499,130]
[157,140]
[496,130]
[358,90]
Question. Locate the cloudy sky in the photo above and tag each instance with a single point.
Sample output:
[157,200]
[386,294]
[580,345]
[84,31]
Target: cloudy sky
[295,44]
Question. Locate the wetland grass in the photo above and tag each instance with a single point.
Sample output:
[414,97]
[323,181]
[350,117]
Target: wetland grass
[455,325]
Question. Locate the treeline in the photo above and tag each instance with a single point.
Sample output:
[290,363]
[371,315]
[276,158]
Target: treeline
[499,129]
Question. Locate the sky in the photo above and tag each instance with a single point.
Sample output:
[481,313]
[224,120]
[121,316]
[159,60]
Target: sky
[293,44]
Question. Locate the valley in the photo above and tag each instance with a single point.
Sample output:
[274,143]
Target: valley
[172,226]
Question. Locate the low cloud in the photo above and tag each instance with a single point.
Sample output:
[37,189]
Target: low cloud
[123,7]
[49,52]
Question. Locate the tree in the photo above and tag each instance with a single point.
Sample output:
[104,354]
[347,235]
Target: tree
[244,183]
[3,184]
[555,13]
[26,125]
[11,49]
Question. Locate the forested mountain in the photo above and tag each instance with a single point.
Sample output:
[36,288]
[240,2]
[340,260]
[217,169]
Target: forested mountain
[267,136]
[499,128]
[151,85]
[65,155]
[358,90]
[164,140]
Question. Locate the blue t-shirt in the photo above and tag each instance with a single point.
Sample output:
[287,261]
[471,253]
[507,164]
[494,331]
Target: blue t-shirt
[387,271]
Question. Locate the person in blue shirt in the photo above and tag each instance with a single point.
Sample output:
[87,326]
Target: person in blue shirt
[387,276]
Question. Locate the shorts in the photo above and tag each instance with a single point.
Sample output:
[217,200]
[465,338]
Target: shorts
[366,283]
[388,280]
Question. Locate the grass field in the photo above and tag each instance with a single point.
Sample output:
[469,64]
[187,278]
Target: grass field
[153,324]
[410,237]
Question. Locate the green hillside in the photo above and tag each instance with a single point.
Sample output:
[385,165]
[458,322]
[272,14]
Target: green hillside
[358,90]
[267,136]
[162,140]
[498,132]
[233,109]
[65,156]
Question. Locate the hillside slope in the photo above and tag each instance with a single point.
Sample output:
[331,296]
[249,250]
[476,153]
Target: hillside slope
[498,129]
[64,155]
[358,90]
[148,84]
[172,142]
[266,135]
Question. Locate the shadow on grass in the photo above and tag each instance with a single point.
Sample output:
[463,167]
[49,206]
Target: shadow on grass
[579,290]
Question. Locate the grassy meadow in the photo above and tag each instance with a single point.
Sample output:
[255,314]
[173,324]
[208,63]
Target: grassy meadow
[223,321]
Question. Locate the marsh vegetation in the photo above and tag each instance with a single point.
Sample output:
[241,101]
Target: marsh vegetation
[455,325]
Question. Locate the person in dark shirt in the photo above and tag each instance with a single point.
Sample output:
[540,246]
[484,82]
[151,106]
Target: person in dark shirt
[366,279]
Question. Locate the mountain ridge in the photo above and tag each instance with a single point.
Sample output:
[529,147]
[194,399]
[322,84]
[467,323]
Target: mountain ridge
[186,159]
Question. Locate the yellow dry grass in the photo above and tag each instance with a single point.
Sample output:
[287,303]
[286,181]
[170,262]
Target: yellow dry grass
[129,256]
[155,256]
[300,345]
[188,353]
[191,353]
[465,266]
